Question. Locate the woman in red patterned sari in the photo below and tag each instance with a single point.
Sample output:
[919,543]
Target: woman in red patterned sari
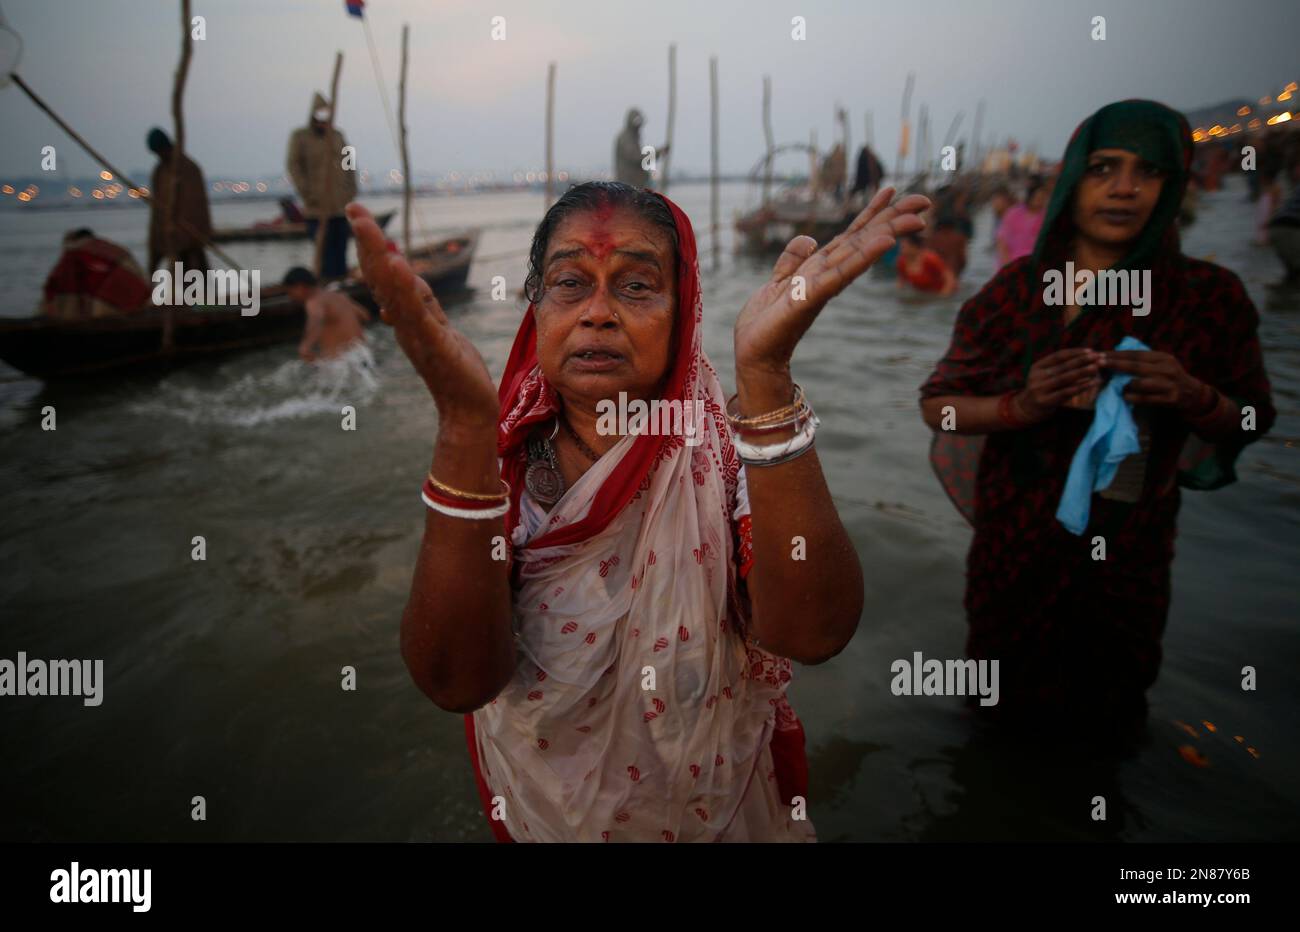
[622,640]
[1076,620]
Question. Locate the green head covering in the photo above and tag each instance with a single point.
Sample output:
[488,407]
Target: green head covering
[1149,130]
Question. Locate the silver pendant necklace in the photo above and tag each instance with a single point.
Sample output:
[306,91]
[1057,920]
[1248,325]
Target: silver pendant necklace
[543,479]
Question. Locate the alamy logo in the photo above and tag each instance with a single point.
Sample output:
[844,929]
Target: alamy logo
[215,287]
[87,885]
[25,677]
[658,418]
[920,677]
[1109,287]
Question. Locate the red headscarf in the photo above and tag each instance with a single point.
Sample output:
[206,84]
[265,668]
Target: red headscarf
[527,399]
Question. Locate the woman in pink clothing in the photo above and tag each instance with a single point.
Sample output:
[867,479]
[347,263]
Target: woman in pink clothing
[1018,231]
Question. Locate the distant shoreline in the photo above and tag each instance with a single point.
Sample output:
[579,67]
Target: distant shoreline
[275,197]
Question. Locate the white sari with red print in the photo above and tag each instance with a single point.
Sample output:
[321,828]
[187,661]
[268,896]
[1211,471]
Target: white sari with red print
[638,710]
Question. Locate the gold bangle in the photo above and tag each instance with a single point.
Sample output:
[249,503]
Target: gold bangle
[793,409]
[471,496]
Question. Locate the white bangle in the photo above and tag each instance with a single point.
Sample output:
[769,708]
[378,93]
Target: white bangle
[757,455]
[471,514]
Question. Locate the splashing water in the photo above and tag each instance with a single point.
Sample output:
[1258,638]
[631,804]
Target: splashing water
[295,389]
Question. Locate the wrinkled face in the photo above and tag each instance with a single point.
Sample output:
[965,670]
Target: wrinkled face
[1114,199]
[605,320]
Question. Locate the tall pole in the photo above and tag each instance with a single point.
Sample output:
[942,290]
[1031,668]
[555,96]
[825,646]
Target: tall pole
[905,130]
[842,117]
[406,155]
[713,160]
[768,137]
[176,158]
[922,136]
[550,135]
[672,115]
[975,135]
[323,222]
[953,127]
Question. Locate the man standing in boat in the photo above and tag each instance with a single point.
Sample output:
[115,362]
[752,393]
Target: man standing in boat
[325,187]
[193,221]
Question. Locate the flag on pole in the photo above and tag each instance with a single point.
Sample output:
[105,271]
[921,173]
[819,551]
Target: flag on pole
[355,7]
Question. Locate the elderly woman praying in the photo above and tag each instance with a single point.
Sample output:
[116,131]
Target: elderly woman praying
[617,615]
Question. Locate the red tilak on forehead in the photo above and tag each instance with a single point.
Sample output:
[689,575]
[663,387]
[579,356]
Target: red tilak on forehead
[599,243]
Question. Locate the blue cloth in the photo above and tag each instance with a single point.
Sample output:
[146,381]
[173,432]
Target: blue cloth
[1112,436]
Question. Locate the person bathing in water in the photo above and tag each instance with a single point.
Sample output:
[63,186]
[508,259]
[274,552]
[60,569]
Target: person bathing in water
[923,268]
[334,321]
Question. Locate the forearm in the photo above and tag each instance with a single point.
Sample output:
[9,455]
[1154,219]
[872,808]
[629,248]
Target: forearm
[970,414]
[1218,421]
[805,586]
[457,638]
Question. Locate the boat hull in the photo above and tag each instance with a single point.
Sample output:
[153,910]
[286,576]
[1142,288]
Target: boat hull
[56,349]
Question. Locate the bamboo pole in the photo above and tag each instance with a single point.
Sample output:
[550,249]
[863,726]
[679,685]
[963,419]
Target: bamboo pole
[952,129]
[905,128]
[713,160]
[922,136]
[768,136]
[177,156]
[325,177]
[178,117]
[842,116]
[672,114]
[406,155]
[550,135]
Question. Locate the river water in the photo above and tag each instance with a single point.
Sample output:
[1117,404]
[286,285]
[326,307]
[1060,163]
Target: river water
[223,676]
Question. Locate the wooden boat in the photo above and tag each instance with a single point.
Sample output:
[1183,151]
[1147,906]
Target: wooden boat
[770,227]
[49,349]
[279,230]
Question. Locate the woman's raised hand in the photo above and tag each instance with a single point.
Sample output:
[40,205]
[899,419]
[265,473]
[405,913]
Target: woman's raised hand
[451,367]
[805,278]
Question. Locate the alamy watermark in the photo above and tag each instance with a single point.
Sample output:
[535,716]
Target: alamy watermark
[87,885]
[25,677]
[215,287]
[1109,287]
[657,417]
[920,677]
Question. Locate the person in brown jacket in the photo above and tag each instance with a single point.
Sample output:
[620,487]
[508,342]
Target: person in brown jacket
[315,163]
[193,221]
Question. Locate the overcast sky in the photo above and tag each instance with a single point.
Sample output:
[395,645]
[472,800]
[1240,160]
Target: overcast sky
[478,104]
